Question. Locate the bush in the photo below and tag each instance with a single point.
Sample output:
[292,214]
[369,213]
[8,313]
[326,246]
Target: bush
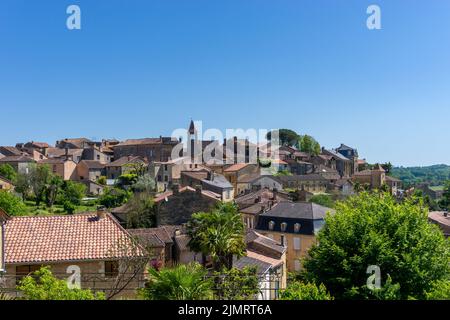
[12,204]
[42,285]
[305,291]
[115,197]
[69,207]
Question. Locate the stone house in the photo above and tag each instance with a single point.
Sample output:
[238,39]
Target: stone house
[10,151]
[91,250]
[64,168]
[121,166]
[314,183]
[32,146]
[74,143]
[153,149]
[90,170]
[74,154]
[375,178]
[94,154]
[267,182]
[20,163]
[295,225]
[239,175]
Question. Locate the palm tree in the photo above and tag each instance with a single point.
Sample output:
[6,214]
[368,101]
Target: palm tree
[183,282]
[219,234]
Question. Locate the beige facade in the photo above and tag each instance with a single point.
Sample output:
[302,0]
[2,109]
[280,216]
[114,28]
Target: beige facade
[65,169]
[297,247]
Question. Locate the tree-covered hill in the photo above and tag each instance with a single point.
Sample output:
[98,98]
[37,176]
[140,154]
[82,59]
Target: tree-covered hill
[434,175]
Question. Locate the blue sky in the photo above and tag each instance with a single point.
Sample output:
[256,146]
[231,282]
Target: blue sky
[141,68]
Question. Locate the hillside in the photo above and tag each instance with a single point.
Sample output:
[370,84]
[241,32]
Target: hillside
[435,175]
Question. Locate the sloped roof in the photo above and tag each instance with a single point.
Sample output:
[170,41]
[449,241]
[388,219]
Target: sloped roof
[39,239]
[93,164]
[125,160]
[298,210]
[236,167]
[17,159]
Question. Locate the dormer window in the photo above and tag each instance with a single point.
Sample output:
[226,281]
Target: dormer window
[271,225]
[297,227]
[283,226]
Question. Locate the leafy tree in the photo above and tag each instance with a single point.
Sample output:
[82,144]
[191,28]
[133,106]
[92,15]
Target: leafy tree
[137,168]
[305,291]
[39,178]
[440,290]
[420,197]
[69,207]
[286,137]
[445,201]
[114,197]
[236,284]
[23,185]
[283,173]
[126,180]
[52,190]
[12,204]
[309,145]
[102,180]
[323,200]
[73,192]
[387,167]
[42,285]
[144,183]
[141,211]
[374,229]
[8,172]
[219,234]
[183,282]
[435,175]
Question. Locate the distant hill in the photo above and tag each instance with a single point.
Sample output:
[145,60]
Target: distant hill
[435,175]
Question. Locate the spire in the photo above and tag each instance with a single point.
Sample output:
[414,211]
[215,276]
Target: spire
[191,127]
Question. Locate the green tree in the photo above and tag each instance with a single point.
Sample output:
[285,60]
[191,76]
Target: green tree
[374,229]
[39,178]
[102,180]
[73,192]
[141,211]
[114,197]
[219,234]
[286,137]
[42,285]
[23,185]
[236,284]
[127,180]
[8,172]
[12,204]
[323,199]
[52,190]
[309,145]
[182,282]
[445,201]
[440,290]
[305,291]
[144,183]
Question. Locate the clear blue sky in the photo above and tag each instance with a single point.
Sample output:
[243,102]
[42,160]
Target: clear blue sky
[142,68]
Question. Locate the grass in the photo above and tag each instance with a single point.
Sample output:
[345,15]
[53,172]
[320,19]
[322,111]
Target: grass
[437,188]
[43,210]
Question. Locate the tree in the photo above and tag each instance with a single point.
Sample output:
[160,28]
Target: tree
[183,282]
[23,185]
[144,183]
[286,137]
[219,234]
[387,167]
[309,145]
[373,229]
[236,284]
[305,291]
[445,201]
[126,180]
[8,172]
[323,200]
[73,192]
[114,197]
[137,168]
[39,177]
[52,190]
[42,285]
[12,204]
[440,290]
[102,180]
[141,211]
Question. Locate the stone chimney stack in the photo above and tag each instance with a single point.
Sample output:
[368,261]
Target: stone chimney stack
[176,189]
[101,212]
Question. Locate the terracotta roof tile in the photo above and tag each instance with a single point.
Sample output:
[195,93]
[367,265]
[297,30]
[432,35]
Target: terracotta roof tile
[64,238]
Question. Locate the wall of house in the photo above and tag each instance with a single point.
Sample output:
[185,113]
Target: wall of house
[292,255]
[92,277]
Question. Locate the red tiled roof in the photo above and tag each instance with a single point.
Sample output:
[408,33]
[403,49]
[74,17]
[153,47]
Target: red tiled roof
[236,167]
[64,238]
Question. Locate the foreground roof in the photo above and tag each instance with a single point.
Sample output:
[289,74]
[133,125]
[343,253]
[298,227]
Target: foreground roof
[298,210]
[65,238]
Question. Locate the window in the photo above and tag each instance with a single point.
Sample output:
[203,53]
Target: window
[297,245]
[159,178]
[271,225]
[165,167]
[98,157]
[297,227]
[166,178]
[283,227]
[23,271]
[111,269]
[297,265]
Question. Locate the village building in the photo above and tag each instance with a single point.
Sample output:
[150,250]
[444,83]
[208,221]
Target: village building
[64,168]
[153,149]
[93,245]
[20,163]
[294,225]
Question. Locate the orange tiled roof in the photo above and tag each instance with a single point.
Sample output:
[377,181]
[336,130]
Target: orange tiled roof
[64,238]
[236,167]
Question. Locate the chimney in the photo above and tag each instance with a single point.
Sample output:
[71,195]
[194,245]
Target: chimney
[198,189]
[101,212]
[445,213]
[176,188]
